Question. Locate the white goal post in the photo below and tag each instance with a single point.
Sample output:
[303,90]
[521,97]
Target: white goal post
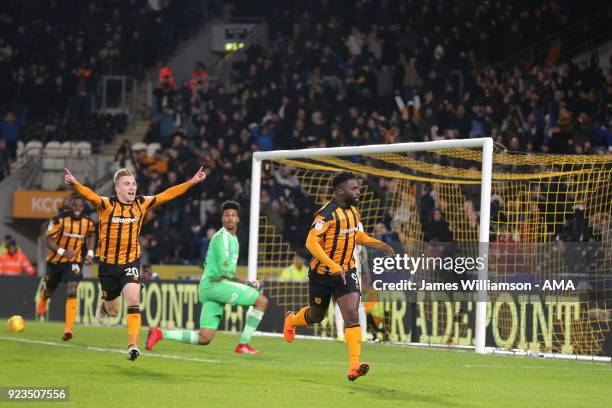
[486,144]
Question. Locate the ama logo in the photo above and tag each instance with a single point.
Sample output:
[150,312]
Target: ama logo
[558,285]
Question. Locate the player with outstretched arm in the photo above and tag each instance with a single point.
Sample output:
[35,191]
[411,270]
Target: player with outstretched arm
[121,219]
[331,241]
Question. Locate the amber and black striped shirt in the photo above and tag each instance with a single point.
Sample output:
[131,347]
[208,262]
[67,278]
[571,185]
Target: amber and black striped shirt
[336,228]
[69,232]
[120,224]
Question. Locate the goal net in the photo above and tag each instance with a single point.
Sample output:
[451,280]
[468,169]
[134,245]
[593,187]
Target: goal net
[549,220]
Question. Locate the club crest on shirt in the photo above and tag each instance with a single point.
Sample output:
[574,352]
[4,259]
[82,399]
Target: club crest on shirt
[319,225]
[317,300]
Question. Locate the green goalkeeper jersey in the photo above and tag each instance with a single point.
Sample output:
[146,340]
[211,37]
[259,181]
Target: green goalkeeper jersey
[221,258]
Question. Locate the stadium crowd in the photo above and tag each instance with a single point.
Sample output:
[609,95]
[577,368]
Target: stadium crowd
[53,53]
[326,80]
[335,73]
[331,78]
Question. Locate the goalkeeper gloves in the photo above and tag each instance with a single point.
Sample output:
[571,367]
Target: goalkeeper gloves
[255,283]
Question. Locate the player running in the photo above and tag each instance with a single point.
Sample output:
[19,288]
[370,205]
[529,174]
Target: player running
[119,251]
[66,234]
[331,241]
[220,286]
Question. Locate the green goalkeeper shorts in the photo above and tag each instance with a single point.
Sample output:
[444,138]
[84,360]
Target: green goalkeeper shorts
[215,295]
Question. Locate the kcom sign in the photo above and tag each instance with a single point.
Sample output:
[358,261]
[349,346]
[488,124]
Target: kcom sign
[37,203]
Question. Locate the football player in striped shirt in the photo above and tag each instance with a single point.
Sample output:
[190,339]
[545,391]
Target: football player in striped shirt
[331,241]
[67,233]
[121,219]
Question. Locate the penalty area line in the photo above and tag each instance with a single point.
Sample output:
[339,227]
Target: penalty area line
[107,350]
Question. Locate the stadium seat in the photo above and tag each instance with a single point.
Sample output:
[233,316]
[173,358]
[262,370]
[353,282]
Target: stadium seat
[139,146]
[50,164]
[20,148]
[152,148]
[83,149]
[52,149]
[68,149]
[52,180]
[33,148]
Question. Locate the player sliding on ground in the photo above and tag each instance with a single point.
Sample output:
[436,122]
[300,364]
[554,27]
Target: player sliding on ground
[331,241]
[65,236]
[119,251]
[220,286]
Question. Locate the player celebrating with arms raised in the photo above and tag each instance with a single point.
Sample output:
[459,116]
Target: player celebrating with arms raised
[65,236]
[331,241]
[119,251]
[220,286]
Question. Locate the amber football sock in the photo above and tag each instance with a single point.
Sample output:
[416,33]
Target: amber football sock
[352,336]
[71,305]
[300,319]
[133,324]
[41,306]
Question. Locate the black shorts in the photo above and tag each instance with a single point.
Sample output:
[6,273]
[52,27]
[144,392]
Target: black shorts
[321,288]
[66,272]
[114,277]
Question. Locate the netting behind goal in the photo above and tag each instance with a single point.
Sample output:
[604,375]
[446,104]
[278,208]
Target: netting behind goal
[537,200]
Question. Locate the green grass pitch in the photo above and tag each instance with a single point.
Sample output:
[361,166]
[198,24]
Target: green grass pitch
[307,373]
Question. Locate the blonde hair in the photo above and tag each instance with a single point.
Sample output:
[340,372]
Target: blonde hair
[121,173]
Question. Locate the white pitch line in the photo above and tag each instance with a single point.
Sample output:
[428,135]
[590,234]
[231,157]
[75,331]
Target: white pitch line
[202,360]
[107,350]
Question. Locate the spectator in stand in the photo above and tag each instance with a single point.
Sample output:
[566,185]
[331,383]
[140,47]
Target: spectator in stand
[198,76]
[437,230]
[206,241]
[194,244]
[158,163]
[14,262]
[576,227]
[9,132]
[6,55]
[578,241]
[165,77]
[427,204]
[264,135]
[296,272]
[148,275]
[5,160]
[5,243]
[126,158]
[382,233]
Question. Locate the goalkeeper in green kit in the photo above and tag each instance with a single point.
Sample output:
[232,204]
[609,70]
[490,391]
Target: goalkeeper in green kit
[220,286]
